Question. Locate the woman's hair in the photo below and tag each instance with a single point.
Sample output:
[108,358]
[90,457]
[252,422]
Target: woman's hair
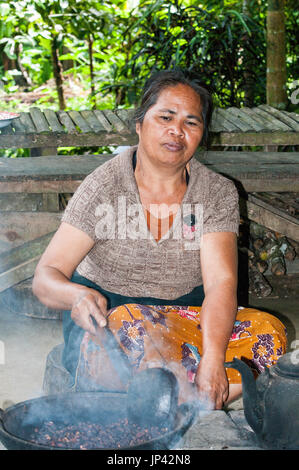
[167,78]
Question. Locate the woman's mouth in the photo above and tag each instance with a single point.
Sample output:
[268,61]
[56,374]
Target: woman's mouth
[173,146]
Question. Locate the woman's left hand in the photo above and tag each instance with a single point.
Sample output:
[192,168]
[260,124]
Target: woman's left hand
[211,382]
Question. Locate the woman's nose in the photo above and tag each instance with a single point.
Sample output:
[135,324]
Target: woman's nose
[176,128]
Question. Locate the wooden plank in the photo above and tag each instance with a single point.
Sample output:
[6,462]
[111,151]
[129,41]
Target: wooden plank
[80,122]
[75,167]
[39,120]
[67,140]
[248,157]
[42,186]
[283,117]
[264,124]
[53,122]
[293,115]
[8,130]
[18,273]
[270,206]
[27,122]
[103,120]
[50,202]
[261,171]
[216,124]
[66,121]
[254,139]
[235,116]
[18,127]
[17,228]
[57,167]
[94,123]
[268,216]
[64,173]
[287,199]
[43,151]
[127,116]
[25,252]
[114,120]
[224,120]
[254,125]
[285,202]
[277,124]
[21,202]
[261,185]
[264,119]
[250,182]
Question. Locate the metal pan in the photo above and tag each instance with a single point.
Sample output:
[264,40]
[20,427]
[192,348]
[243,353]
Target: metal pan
[18,421]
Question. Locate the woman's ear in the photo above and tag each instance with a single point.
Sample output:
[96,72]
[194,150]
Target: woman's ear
[137,127]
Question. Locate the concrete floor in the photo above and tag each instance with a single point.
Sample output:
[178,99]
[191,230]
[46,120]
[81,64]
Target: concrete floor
[25,343]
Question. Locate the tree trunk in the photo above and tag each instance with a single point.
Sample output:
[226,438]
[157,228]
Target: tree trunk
[57,69]
[66,64]
[24,79]
[91,72]
[249,64]
[6,62]
[276,55]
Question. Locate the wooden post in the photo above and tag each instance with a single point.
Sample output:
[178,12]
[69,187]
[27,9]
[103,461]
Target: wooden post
[276,55]
[43,151]
[249,62]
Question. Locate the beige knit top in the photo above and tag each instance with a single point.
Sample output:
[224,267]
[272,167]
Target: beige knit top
[126,259]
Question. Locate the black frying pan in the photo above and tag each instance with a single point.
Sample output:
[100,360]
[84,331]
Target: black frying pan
[18,421]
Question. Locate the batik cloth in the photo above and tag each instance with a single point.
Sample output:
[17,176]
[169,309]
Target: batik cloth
[170,336]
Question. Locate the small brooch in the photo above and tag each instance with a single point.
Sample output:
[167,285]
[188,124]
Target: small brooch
[189,226]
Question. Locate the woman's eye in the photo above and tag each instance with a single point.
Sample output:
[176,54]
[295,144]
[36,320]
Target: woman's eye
[192,123]
[165,118]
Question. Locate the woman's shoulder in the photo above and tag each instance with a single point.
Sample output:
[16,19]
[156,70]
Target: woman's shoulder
[112,175]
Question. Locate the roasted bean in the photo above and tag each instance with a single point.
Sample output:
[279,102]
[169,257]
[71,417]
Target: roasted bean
[86,435]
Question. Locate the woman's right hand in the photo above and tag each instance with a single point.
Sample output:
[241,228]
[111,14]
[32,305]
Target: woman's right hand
[89,305]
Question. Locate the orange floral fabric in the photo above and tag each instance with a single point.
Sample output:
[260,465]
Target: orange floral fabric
[170,336]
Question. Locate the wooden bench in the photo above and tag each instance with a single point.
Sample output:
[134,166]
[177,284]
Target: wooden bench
[32,192]
[44,131]
[35,190]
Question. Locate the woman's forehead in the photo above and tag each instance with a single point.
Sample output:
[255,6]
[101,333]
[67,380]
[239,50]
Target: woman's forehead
[178,96]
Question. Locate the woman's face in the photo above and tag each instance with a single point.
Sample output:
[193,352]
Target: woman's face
[172,128]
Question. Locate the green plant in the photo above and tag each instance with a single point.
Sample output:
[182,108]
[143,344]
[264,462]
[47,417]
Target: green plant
[208,40]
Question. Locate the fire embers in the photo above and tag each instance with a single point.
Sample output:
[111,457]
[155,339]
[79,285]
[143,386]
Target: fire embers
[86,435]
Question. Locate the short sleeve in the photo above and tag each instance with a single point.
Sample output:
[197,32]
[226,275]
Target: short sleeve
[81,208]
[221,209]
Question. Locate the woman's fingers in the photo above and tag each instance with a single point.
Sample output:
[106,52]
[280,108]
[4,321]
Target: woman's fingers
[211,397]
[99,318]
[212,384]
[90,311]
[102,304]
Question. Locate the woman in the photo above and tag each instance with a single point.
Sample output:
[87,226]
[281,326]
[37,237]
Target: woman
[148,245]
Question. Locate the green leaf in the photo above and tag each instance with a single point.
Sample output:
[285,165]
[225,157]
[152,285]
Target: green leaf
[241,19]
[4,9]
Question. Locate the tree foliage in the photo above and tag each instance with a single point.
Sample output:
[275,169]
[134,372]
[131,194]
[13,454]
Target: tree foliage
[112,48]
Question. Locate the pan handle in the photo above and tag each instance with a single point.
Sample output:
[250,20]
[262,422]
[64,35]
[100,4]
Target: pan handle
[1,417]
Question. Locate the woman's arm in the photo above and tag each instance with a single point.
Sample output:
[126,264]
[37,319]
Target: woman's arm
[219,271]
[52,285]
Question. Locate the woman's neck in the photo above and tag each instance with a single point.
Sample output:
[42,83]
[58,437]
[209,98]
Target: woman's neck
[162,185]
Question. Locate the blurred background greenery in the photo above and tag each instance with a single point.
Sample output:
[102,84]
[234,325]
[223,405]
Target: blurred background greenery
[86,54]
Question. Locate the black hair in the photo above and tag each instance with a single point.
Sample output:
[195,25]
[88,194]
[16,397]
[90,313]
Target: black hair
[158,81]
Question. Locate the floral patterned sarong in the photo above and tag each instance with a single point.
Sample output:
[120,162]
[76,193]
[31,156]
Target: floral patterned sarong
[170,336]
